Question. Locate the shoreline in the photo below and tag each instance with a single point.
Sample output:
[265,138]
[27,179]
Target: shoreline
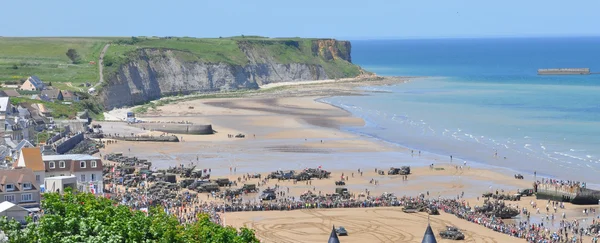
[291,129]
[441,157]
[437,157]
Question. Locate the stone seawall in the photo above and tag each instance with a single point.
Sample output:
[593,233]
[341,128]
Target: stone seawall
[176,128]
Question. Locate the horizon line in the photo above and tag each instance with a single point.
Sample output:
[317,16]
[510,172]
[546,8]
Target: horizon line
[364,38]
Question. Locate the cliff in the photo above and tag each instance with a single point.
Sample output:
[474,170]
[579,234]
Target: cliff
[149,69]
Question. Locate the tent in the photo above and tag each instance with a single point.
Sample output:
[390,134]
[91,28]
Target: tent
[13,211]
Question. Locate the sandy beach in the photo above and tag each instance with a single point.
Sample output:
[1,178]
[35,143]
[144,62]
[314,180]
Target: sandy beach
[288,129]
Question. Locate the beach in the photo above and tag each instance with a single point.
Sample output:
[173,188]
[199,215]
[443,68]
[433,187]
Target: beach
[289,129]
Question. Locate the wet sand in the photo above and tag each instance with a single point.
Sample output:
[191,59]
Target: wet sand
[289,130]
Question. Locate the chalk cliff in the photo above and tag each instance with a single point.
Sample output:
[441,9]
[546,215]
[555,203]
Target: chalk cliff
[149,73]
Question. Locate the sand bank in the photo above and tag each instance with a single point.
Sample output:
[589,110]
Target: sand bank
[287,129]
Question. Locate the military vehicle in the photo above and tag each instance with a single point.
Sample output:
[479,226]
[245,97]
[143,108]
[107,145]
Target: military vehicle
[519,176]
[249,188]
[502,212]
[240,135]
[410,208]
[186,182]
[514,197]
[526,192]
[222,181]
[432,210]
[303,176]
[340,183]
[268,195]
[341,231]
[196,184]
[404,170]
[208,187]
[172,178]
[318,173]
[341,190]
[452,233]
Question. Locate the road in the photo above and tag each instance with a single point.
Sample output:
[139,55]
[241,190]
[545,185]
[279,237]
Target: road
[101,66]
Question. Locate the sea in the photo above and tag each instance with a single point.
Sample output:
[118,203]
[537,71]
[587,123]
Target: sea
[481,101]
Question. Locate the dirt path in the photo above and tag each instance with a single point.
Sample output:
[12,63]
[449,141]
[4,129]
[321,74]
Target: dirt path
[101,66]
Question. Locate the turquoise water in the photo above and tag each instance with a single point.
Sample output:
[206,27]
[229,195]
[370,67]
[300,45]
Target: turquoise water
[482,97]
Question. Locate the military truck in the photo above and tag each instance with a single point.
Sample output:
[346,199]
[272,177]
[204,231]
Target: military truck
[208,187]
[526,192]
[185,183]
[340,183]
[249,188]
[452,233]
[222,181]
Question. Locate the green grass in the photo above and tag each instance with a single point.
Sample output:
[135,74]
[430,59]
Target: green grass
[59,110]
[47,59]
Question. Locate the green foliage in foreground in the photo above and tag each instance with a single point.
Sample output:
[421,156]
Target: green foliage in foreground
[86,218]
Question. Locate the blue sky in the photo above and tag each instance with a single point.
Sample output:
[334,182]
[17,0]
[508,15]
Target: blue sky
[349,19]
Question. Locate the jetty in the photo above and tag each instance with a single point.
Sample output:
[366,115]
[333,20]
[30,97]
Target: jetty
[564,71]
[574,195]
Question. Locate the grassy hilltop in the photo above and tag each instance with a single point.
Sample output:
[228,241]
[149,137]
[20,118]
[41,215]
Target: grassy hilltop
[227,50]
[46,56]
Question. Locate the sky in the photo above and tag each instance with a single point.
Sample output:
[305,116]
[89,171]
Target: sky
[348,19]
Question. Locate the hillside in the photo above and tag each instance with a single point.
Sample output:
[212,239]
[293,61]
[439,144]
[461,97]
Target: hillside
[140,69]
[143,69]
[46,58]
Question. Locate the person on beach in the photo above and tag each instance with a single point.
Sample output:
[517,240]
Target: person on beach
[450,158]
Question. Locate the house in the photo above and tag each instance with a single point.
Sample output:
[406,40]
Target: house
[51,95]
[31,158]
[33,83]
[5,106]
[10,93]
[18,186]
[70,96]
[17,151]
[13,211]
[87,170]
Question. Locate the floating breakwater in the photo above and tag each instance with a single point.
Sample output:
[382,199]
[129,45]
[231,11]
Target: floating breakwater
[178,128]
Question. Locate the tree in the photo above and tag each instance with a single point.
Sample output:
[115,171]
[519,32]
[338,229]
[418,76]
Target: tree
[74,56]
[84,217]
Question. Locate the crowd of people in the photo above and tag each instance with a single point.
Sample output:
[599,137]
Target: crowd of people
[187,205]
[560,185]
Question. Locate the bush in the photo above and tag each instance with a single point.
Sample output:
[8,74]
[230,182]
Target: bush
[84,217]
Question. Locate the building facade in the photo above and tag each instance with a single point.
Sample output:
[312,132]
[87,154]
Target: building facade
[18,186]
[87,170]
